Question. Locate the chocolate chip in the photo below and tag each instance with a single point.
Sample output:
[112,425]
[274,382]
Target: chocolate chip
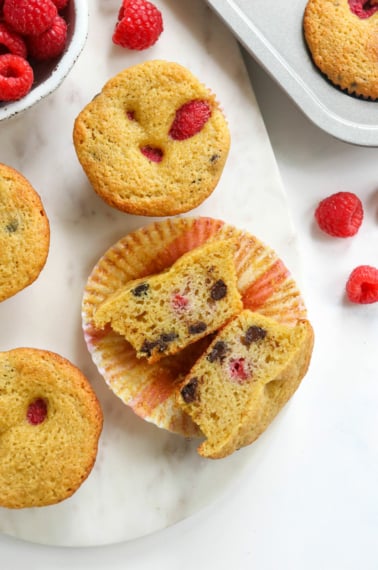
[218,351]
[214,158]
[140,290]
[253,334]
[161,343]
[164,340]
[218,290]
[188,392]
[197,328]
[12,226]
[168,337]
[148,346]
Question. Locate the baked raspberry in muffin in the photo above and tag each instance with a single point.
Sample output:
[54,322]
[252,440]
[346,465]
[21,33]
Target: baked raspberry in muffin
[154,141]
[50,424]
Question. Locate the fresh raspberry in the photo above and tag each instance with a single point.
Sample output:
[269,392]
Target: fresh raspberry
[139,25]
[11,42]
[340,214]
[60,4]
[50,43]
[36,412]
[29,16]
[362,285]
[121,11]
[16,77]
[190,119]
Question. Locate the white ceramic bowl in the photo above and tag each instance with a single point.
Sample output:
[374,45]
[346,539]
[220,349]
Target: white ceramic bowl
[49,75]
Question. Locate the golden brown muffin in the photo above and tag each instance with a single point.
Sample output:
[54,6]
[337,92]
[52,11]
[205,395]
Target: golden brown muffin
[154,141]
[237,387]
[24,233]
[342,37]
[50,424]
[162,314]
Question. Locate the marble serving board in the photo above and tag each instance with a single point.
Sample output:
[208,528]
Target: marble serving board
[145,478]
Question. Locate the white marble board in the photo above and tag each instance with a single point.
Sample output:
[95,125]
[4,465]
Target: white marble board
[144,479]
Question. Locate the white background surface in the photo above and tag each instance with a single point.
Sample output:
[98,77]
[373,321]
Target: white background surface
[321,514]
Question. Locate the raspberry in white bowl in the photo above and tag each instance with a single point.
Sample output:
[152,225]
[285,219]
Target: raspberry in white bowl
[40,40]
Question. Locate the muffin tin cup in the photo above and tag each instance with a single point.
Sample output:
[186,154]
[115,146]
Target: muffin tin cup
[273,35]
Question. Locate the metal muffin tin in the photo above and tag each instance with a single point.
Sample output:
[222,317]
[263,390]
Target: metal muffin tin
[272,33]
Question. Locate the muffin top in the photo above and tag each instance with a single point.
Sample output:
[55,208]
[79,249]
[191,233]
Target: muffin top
[24,233]
[154,141]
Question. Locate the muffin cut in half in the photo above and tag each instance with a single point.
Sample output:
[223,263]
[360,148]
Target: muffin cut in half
[161,314]
[250,370]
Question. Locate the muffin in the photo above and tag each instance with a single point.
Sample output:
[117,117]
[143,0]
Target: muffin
[249,371]
[154,141]
[162,314]
[342,39]
[24,233]
[50,424]
[263,281]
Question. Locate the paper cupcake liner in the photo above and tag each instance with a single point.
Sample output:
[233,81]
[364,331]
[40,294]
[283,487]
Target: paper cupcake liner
[264,282]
